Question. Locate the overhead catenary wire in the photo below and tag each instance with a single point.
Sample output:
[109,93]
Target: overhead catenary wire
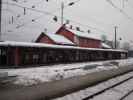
[36,10]
[9,10]
[23,7]
[32,20]
[12,19]
[120,10]
[51,14]
[24,10]
[127,1]
[40,10]
[34,5]
[88,26]
[92,18]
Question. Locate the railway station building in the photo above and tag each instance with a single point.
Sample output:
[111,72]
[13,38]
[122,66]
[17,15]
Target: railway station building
[53,39]
[81,39]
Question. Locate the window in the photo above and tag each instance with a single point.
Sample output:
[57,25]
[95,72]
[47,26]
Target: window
[35,56]
[0,51]
[44,57]
[3,52]
[27,57]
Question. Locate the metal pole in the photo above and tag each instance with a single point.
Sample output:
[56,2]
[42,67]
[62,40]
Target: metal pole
[123,3]
[115,37]
[0,19]
[62,12]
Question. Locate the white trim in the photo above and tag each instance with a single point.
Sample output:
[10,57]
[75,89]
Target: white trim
[29,44]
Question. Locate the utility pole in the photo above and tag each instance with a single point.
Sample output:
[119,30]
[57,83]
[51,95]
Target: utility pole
[0,19]
[115,37]
[62,13]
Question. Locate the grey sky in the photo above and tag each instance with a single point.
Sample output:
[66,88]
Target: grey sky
[92,14]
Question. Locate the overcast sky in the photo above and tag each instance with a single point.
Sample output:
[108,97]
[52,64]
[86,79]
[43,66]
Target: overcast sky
[99,16]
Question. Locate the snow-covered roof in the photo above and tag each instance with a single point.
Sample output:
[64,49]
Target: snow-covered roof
[29,44]
[105,46]
[59,39]
[85,34]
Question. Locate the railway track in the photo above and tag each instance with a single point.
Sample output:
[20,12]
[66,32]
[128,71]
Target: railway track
[109,88]
[99,91]
[123,98]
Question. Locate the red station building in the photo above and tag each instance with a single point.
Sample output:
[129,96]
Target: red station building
[72,37]
[81,39]
[53,39]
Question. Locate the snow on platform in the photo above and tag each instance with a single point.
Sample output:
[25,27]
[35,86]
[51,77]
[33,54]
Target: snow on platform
[35,75]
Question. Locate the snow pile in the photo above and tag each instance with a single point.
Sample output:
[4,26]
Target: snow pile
[125,62]
[30,76]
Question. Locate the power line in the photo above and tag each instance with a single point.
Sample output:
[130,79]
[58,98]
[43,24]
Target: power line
[48,12]
[32,20]
[111,25]
[129,4]
[44,12]
[33,5]
[36,10]
[9,10]
[94,28]
[120,10]
[51,14]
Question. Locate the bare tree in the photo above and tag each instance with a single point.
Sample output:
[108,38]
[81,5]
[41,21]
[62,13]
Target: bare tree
[104,38]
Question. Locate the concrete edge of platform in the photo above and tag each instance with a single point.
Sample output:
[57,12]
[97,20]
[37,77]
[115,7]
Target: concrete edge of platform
[62,87]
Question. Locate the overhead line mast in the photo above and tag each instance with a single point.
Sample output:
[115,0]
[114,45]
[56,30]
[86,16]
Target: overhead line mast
[62,12]
[115,37]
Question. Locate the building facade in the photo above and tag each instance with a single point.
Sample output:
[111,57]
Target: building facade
[81,39]
[53,39]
